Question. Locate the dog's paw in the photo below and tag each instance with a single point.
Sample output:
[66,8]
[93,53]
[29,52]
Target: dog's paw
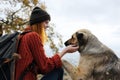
[67,65]
[64,61]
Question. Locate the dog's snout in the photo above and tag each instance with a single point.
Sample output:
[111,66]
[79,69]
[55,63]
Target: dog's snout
[66,43]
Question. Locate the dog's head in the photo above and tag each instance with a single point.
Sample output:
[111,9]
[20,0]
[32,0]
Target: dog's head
[79,38]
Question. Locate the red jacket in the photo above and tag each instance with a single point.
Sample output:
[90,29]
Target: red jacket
[31,48]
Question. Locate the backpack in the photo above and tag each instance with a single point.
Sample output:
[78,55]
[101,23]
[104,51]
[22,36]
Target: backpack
[8,54]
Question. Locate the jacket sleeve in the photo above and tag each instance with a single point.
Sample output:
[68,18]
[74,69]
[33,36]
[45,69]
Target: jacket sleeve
[44,63]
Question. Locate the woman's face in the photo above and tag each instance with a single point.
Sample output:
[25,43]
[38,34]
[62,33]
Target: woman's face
[46,24]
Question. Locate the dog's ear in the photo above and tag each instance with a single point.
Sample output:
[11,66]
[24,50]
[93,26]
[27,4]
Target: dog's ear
[80,38]
[79,35]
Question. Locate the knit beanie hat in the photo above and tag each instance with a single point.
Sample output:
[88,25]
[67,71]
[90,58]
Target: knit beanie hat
[38,15]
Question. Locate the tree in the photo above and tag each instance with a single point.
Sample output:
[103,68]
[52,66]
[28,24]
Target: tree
[16,15]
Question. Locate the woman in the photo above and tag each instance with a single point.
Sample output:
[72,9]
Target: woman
[31,49]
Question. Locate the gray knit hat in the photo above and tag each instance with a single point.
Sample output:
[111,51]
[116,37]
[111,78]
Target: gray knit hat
[38,15]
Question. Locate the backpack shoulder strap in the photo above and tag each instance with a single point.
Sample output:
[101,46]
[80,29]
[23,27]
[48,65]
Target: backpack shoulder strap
[20,37]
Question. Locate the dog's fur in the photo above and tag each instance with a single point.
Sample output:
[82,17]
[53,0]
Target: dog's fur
[97,61]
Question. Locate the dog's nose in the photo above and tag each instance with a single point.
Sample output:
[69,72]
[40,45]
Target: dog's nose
[66,43]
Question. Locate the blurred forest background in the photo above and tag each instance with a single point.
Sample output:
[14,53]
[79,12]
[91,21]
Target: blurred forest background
[15,17]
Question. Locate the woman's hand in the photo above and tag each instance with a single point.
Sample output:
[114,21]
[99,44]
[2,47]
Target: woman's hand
[69,49]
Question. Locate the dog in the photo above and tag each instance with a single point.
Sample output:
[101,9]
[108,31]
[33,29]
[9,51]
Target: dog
[97,61]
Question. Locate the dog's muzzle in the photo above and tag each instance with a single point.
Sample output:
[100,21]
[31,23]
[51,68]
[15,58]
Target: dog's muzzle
[66,43]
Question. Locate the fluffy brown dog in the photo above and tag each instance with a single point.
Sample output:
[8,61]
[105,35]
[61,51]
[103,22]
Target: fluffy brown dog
[97,61]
